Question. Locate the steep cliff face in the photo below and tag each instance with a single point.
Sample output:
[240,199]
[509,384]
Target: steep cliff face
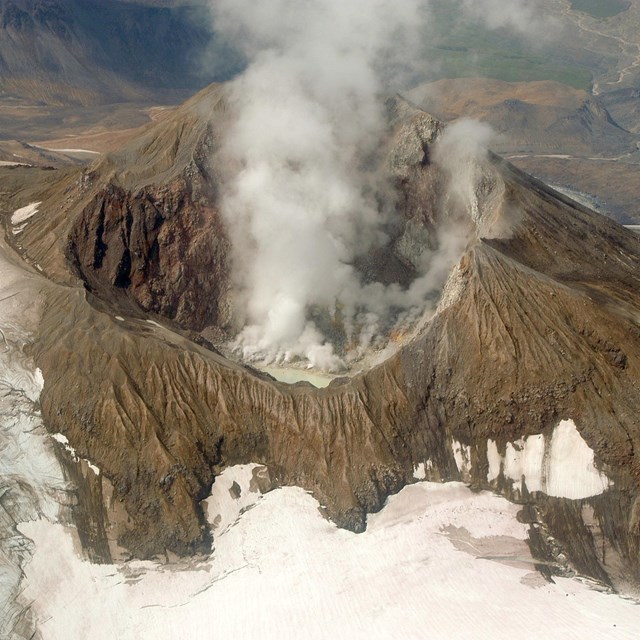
[141,227]
[157,248]
[525,380]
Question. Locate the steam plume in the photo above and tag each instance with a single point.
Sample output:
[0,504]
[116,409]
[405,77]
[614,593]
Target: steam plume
[460,153]
[301,202]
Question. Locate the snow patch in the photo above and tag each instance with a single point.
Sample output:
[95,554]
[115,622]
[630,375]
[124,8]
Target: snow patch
[462,455]
[495,461]
[89,151]
[92,466]
[525,458]
[421,469]
[38,380]
[64,441]
[24,213]
[233,492]
[562,468]
[571,469]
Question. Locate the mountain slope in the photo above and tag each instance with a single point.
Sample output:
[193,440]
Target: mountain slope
[537,330]
[96,51]
[582,143]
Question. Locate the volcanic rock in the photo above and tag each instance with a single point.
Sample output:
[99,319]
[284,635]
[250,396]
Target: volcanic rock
[538,324]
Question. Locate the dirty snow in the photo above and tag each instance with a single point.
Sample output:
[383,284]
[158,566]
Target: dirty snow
[419,471]
[233,492]
[462,455]
[32,485]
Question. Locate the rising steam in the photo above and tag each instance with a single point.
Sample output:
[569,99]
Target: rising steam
[460,153]
[302,201]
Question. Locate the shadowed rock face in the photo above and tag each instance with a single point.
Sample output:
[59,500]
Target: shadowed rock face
[538,323]
[159,247]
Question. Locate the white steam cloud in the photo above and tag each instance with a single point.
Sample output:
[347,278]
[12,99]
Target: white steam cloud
[301,199]
[461,153]
[301,206]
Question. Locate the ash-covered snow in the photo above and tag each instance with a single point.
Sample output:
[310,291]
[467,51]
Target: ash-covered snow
[438,561]
[462,456]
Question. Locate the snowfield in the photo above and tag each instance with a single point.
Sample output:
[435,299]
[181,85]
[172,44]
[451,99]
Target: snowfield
[437,562]
[32,485]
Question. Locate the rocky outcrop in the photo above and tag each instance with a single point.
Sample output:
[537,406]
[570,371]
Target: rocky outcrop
[157,248]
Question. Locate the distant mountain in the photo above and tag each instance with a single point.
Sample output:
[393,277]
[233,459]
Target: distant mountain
[87,52]
[624,106]
[530,117]
[585,144]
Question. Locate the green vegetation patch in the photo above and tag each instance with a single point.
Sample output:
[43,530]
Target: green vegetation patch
[505,65]
[600,8]
[457,48]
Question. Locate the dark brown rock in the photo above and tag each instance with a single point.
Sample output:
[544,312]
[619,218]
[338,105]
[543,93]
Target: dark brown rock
[158,248]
